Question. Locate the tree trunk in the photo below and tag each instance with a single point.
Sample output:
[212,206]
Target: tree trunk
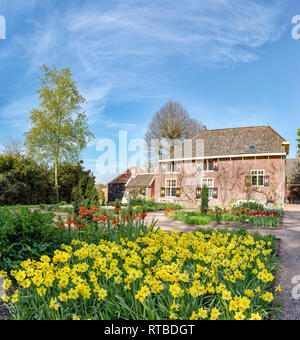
[56,179]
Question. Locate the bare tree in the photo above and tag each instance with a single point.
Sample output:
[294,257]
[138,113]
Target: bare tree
[170,125]
[12,147]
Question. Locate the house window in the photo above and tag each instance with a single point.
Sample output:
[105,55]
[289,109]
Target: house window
[171,185]
[170,167]
[206,165]
[209,183]
[257,178]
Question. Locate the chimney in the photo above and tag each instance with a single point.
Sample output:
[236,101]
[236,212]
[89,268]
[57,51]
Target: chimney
[203,128]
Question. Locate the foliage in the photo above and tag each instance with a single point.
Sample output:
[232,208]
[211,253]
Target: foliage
[59,130]
[148,205]
[252,206]
[204,199]
[69,175]
[25,233]
[158,276]
[263,221]
[266,218]
[191,217]
[91,194]
[85,193]
[23,181]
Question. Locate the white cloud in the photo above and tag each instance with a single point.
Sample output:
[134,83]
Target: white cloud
[205,32]
[126,47]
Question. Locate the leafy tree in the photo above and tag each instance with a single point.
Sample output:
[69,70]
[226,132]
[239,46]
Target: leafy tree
[69,175]
[91,194]
[23,181]
[85,193]
[59,130]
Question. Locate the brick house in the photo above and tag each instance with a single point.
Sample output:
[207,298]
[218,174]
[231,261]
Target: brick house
[247,163]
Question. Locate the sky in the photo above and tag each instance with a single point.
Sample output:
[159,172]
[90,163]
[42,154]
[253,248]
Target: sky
[231,63]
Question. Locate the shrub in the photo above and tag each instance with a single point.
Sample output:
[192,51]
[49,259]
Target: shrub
[252,206]
[204,199]
[192,217]
[148,205]
[25,233]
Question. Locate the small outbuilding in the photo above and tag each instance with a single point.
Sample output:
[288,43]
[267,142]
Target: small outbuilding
[116,187]
[142,186]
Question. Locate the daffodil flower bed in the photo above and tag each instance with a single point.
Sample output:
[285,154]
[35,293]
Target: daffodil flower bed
[200,275]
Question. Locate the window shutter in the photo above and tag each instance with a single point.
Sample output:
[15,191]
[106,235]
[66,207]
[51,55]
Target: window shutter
[216,164]
[247,181]
[178,166]
[198,192]
[215,193]
[267,181]
[199,165]
[162,192]
[178,192]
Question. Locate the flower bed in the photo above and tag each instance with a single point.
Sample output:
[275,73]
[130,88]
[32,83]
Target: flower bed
[266,218]
[201,275]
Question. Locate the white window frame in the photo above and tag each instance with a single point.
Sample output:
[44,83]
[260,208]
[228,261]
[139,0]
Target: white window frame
[259,173]
[205,165]
[170,168]
[170,187]
[210,188]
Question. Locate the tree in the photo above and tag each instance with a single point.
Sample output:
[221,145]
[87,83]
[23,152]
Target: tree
[171,124]
[85,193]
[12,147]
[23,181]
[69,175]
[204,199]
[59,130]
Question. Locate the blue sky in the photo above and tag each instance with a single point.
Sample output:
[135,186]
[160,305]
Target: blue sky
[230,62]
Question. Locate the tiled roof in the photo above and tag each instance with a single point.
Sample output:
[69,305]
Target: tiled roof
[125,176]
[232,141]
[140,181]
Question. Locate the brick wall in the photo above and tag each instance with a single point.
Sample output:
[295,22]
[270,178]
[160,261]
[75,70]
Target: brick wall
[229,180]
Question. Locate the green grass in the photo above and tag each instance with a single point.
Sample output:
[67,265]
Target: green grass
[198,218]
[153,206]
[191,217]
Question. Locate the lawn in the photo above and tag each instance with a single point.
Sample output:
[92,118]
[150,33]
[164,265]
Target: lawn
[191,217]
